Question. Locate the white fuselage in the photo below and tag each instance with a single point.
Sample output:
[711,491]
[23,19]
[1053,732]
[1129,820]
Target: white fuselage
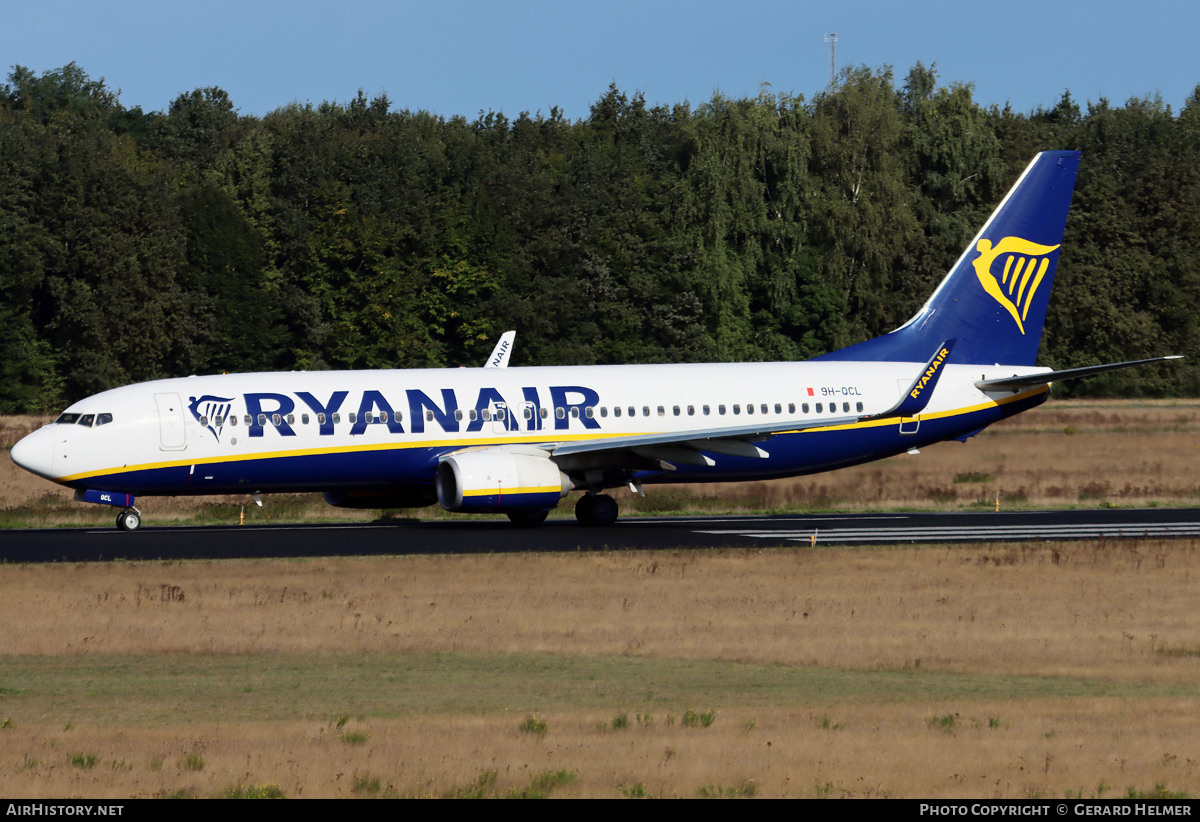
[363,429]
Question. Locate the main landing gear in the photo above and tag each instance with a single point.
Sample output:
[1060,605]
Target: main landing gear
[592,509]
[596,509]
[129,520]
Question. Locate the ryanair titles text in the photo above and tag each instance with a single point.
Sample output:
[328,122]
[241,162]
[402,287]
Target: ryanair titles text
[930,372]
[414,411]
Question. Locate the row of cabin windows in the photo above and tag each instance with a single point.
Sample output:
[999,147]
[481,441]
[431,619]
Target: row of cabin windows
[706,410]
[527,413]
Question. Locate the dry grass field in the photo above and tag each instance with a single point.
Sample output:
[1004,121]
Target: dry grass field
[1057,670]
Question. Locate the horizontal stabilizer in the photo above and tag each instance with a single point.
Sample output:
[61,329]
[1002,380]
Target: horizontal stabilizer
[1046,377]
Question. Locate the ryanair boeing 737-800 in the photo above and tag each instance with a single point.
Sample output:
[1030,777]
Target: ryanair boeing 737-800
[518,440]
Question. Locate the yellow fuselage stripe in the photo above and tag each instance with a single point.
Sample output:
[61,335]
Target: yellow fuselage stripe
[523,440]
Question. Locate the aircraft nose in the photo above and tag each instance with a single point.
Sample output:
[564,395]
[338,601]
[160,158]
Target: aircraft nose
[35,453]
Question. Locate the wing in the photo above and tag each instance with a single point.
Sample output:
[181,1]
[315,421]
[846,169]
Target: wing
[663,451]
[659,451]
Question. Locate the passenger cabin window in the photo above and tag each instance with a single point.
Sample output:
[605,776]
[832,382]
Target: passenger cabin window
[616,410]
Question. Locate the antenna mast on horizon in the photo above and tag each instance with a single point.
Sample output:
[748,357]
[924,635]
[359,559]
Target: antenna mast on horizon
[831,39]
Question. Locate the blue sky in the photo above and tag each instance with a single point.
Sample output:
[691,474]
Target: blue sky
[466,56]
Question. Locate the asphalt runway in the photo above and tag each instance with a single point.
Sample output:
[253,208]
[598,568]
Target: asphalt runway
[466,537]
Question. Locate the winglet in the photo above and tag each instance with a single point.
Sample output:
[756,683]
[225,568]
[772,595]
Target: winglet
[499,356]
[914,400]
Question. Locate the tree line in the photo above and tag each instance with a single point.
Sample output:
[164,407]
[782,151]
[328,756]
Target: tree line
[136,245]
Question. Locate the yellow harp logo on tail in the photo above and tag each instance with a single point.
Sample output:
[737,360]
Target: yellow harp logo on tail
[1025,264]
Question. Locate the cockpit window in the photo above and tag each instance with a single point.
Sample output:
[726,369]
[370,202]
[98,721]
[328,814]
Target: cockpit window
[86,420]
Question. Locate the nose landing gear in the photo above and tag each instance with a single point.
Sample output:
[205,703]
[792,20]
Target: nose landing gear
[130,518]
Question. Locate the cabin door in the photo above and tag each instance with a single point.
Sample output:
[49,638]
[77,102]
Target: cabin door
[500,420]
[172,436]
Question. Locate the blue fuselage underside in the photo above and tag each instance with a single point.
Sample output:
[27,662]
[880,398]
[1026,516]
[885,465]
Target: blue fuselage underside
[409,464]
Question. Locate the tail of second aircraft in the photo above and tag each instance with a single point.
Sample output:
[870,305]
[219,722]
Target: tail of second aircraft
[993,301]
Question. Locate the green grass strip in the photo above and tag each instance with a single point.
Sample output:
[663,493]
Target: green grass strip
[173,690]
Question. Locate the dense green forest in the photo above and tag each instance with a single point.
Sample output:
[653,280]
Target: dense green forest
[138,245]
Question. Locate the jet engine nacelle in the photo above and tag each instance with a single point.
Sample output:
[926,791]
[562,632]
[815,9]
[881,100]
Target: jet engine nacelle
[493,480]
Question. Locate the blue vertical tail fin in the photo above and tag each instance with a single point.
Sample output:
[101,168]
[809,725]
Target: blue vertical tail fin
[993,301]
